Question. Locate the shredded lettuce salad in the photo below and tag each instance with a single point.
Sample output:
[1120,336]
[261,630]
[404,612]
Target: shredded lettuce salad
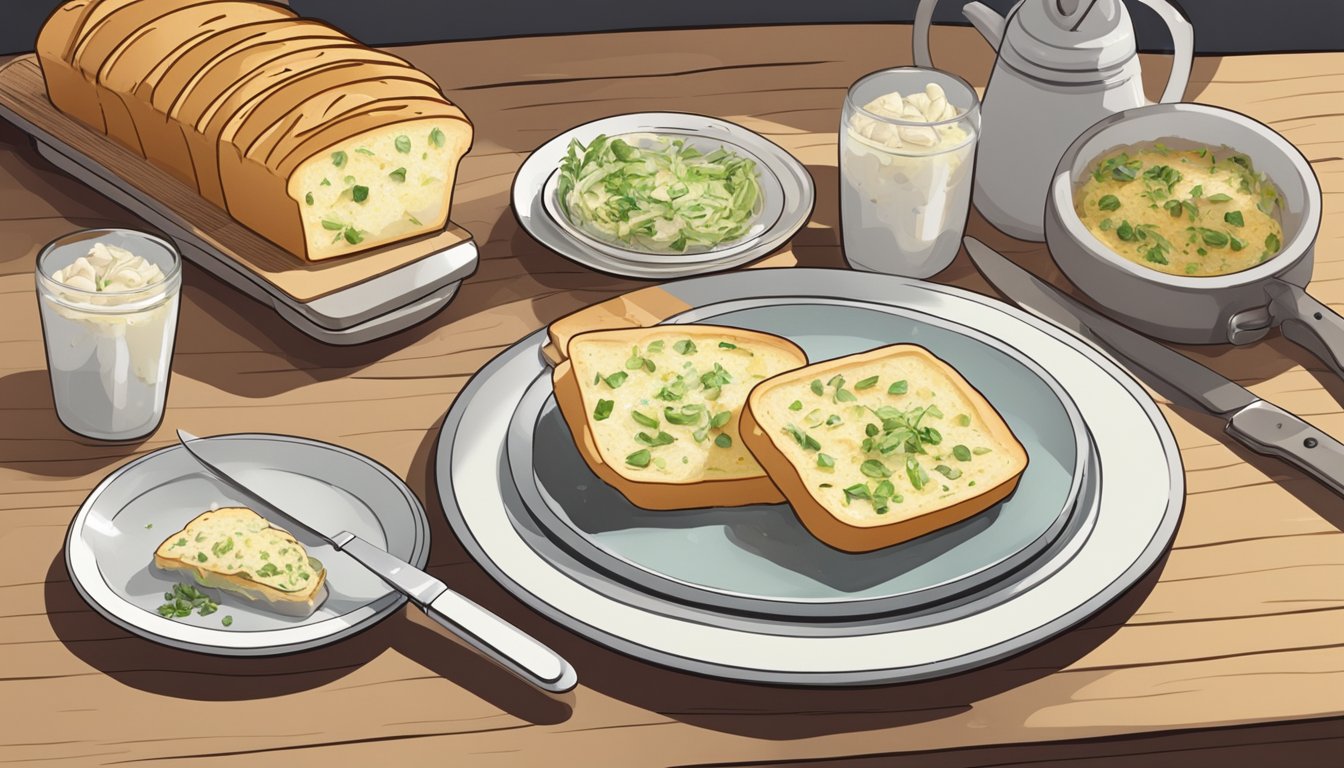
[668,197]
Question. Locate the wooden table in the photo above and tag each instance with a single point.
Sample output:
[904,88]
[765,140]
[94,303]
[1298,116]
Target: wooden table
[1230,653]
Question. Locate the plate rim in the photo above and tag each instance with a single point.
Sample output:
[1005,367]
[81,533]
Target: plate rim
[1164,502]
[82,565]
[851,609]
[530,210]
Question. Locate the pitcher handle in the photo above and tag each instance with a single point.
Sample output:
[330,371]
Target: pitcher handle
[982,17]
[1182,48]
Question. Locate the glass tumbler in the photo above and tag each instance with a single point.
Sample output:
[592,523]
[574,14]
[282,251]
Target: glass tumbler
[109,351]
[905,182]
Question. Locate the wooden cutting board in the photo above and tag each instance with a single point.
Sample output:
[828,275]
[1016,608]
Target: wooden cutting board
[23,93]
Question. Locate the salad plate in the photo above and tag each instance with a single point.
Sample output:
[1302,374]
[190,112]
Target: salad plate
[785,201]
[111,543]
[761,559]
[1129,500]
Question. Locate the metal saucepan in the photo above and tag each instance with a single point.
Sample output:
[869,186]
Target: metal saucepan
[1240,307]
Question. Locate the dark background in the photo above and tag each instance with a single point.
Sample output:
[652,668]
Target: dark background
[1221,26]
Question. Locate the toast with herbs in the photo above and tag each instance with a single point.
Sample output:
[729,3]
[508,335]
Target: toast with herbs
[881,447]
[655,411]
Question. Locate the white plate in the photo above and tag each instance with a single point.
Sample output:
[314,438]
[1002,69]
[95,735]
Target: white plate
[1114,543]
[111,543]
[786,186]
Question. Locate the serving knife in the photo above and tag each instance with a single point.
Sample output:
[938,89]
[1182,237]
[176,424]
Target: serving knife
[487,633]
[1261,426]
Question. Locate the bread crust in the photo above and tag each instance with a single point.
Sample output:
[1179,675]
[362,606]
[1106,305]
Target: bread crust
[705,492]
[881,532]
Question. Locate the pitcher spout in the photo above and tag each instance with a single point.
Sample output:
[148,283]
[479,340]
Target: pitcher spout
[987,21]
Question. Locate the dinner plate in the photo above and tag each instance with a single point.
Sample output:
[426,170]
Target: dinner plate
[111,543]
[786,186]
[761,559]
[1133,501]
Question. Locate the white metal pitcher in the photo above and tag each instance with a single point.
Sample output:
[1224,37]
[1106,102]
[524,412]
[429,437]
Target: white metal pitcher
[1062,66]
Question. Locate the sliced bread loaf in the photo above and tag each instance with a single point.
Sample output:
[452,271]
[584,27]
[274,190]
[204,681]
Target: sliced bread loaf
[881,447]
[654,411]
[238,551]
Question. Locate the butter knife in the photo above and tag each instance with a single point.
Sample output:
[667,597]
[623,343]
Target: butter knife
[487,633]
[1261,426]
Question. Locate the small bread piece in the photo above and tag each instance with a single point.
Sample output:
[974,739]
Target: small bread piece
[238,551]
[654,411]
[56,42]
[878,448]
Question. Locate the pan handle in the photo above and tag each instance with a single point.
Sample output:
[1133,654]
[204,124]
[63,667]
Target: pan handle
[1308,323]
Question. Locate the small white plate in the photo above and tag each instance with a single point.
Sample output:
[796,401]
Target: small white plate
[787,197]
[110,547]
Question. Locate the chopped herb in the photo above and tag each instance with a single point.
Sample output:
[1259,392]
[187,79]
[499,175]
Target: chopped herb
[802,438]
[359,193]
[948,472]
[222,547]
[720,419]
[857,491]
[1197,191]
[436,137]
[796,405]
[843,395]
[338,159]
[640,458]
[1213,238]
[833,420]
[227,621]
[673,391]
[603,410]
[816,383]
[701,434]
[686,416]
[727,345]
[332,225]
[308,198]
[1236,242]
[685,347]
[824,461]
[899,388]
[1109,203]
[325,183]
[398,175]
[1154,254]
[616,379]
[867,383]
[403,144]
[1191,269]
[1220,198]
[1126,231]
[365,151]
[414,220]
[961,452]
[1234,218]
[918,477]
[1272,243]
[268,569]
[642,420]
[662,438]
[202,557]
[874,468]
[963,420]
[353,236]
[980,451]
[723,441]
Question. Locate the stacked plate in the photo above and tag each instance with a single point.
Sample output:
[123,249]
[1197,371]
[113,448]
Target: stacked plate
[785,203]
[747,593]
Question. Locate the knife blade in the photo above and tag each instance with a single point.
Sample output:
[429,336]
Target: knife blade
[490,635]
[1259,425]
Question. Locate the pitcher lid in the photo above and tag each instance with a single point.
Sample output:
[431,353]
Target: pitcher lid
[1070,35]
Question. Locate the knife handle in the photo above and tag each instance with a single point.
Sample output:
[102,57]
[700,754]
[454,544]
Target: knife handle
[490,635]
[1270,430]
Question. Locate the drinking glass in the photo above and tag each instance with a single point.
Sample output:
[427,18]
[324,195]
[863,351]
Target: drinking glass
[905,185]
[109,351]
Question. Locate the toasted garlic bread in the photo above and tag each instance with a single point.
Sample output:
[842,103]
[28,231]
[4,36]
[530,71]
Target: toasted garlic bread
[878,448]
[238,551]
[654,411]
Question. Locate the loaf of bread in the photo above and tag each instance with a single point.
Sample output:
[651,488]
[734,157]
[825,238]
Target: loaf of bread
[881,447]
[317,143]
[654,411]
[238,551]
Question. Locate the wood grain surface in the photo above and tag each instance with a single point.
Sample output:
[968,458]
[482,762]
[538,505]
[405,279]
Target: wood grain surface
[1231,652]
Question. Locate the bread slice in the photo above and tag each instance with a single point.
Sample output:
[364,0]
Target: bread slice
[881,447]
[153,48]
[654,411]
[238,551]
[359,199]
[56,42]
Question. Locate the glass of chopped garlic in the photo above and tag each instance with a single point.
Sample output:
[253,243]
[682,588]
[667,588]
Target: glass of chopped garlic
[907,150]
[108,300]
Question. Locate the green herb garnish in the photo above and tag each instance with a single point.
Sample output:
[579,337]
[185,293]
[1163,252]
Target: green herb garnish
[616,379]
[727,345]
[603,410]
[662,438]
[899,388]
[640,458]
[961,452]
[402,143]
[824,461]
[338,159]
[308,198]
[686,416]
[723,440]
[436,137]
[874,468]
[1109,203]
[684,347]
[398,175]
[1234,218]
[642,420]
[796,405]
[867,383]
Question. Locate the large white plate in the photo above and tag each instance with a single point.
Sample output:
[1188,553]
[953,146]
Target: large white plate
[1111,546]
[110,547]
[787,190]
